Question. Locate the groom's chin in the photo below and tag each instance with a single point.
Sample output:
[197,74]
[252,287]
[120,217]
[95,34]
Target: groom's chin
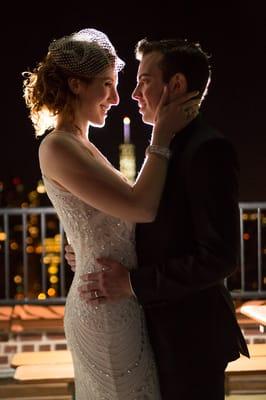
[147,120]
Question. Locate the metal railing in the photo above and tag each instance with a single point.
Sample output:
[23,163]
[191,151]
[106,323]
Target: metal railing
[27,238]
[258,266]
[23,214]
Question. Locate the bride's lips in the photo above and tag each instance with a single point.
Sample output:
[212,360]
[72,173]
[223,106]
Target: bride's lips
[105,109]
[141,108]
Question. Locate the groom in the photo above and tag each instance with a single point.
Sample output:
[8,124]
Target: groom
[192,246]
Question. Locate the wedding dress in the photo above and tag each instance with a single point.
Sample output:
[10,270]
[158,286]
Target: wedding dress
[111,353]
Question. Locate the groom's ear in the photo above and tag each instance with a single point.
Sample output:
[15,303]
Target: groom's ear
[177,85]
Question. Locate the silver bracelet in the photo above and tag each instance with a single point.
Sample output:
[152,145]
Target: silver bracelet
[159,150]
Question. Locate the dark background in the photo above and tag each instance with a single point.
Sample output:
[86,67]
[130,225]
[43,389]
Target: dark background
[234,34]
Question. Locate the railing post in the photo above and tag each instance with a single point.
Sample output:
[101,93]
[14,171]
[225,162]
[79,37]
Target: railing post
[242,254]
[43,234]
[25,256]
[7,263]
[259,252]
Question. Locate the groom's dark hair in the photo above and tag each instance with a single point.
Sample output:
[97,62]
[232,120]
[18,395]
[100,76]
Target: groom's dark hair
[180,55]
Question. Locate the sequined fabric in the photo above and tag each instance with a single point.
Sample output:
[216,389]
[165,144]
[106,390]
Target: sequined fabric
[109,344]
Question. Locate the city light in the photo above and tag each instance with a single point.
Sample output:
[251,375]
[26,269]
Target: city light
[51,292]
[40,187]
[2,236]
[14,246]
[18,279]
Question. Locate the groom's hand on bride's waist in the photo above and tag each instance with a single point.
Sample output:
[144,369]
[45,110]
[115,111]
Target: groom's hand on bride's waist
[110,284]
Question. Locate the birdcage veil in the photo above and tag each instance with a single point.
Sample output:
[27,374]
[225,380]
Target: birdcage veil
[86,53]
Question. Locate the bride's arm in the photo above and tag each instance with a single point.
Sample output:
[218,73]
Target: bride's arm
[65,161]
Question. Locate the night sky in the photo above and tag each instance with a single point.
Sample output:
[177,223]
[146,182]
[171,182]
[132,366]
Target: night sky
[234,35]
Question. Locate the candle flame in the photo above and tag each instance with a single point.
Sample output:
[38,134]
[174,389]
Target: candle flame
[126,121]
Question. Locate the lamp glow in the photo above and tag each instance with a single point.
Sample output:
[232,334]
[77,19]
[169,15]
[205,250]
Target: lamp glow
[127,161]
[126,121]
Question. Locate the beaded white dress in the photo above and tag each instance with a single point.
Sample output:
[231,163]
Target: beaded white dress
[111,353]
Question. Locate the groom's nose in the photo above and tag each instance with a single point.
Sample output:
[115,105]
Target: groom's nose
[136,93]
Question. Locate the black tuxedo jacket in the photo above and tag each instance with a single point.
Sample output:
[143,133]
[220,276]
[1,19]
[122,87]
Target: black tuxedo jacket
[187,252]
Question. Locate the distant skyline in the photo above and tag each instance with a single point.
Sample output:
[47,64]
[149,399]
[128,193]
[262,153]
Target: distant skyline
[233,35]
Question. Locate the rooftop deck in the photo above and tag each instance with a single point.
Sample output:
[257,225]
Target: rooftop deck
[27,328]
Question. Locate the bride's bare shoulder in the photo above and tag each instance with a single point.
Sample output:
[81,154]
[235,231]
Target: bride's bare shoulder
[55,143]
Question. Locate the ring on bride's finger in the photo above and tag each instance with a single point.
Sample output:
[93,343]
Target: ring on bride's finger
[96,295]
